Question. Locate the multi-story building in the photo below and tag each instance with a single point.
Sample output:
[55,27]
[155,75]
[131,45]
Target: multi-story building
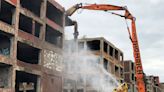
[31,40]
[110,57]
[152,84]
[129,75]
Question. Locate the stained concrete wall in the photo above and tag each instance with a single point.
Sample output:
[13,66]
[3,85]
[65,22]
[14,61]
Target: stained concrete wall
[26,23]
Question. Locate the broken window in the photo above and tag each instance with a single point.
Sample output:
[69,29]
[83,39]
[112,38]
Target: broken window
[25,23]
[5,74]
[27,53]
[53,36]
[34,5]
[105,47]
[28,25]
[6,12]
[5,41]
[37,28]
[133,76]
[26,82]
[105,64]
[110,51]
[121,72]
[132,66]
[94,45]
[117,70]
[116,54]
[54,14]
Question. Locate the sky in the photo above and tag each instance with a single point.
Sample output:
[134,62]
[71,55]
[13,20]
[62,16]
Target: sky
[149,23]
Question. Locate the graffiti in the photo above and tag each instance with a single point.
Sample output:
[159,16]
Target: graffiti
[52,60]
[5,51]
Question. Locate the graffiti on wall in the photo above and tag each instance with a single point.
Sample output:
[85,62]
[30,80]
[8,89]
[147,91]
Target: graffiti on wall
[5,51]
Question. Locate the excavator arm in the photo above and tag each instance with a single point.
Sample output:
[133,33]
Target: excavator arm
[101,7]
[133,35]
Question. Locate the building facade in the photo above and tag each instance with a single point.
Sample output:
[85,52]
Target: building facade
[129,75]
[153,84]
[110,57]
[31,41]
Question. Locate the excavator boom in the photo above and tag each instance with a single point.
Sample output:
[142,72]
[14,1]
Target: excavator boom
[133,36]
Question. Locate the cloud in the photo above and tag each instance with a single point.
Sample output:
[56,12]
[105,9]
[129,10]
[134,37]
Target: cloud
[150,22]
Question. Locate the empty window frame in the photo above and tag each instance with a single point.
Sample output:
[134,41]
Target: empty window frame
[54,14]
[132,76]
[26,24]
[27,53]
[116,54]
[105,47]
[132,66]
[26,82]
[6,12]
[54,36]
[117,70]
[32,5]
[93,45]
[121,72]
[5,43]
[111,51]
[105,64]
[36,29]
[5,75]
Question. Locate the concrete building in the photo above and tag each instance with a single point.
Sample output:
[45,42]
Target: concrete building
[162,87]
[153,84]
[110,57]
[31,40]
[129,75]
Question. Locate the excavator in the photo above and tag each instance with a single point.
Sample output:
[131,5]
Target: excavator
[132,35]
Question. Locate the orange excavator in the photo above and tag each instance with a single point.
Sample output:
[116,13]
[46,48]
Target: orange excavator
[132,34]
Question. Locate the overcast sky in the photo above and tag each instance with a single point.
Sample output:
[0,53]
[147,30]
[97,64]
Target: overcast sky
[150,28]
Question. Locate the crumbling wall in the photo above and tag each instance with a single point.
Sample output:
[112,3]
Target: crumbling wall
[26,56]
[52,60]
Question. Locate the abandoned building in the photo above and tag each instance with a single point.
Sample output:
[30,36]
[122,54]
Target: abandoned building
[31,40]
[31,46]
[110,57]
[153,84]
[129,75]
